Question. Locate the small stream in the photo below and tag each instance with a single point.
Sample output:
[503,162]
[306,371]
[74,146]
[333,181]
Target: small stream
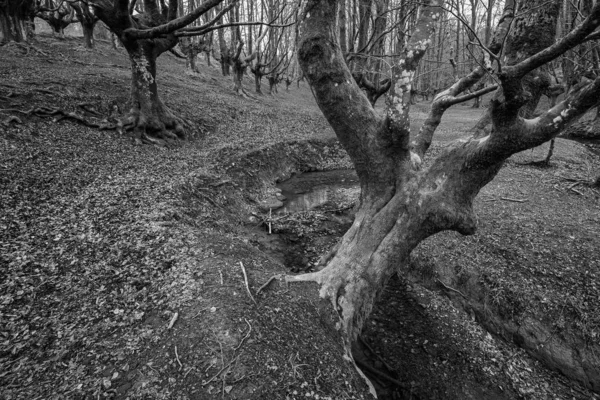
[307,191]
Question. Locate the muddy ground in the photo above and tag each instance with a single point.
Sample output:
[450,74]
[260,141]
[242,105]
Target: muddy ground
[122,266]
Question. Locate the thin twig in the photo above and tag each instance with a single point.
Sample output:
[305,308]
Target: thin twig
[173,319]
[576,191]
[270,212]
[177,357]
[452,289]
[188,371]
[220,371]
[271,279]
[245,337]
[246,282]
[514,200]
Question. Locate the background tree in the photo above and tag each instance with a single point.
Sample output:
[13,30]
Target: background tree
[58,14]
[15,20]
[145,36]
[87,19]
[403,201]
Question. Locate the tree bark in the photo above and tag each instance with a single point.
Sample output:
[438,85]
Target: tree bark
[88,34]
[148,115]
[534,30]
[14,21]
[401,203]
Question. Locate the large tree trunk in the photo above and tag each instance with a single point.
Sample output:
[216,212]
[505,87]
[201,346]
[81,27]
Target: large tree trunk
[148,115]
[14,21]
[401,203]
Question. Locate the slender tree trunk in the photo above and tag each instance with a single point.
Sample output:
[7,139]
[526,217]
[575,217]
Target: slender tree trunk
[257,82]
[88,34]
[238,75]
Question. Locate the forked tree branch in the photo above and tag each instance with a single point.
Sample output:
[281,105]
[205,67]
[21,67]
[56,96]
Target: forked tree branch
[403,72]
[173,25]
[450,96]
[570,40]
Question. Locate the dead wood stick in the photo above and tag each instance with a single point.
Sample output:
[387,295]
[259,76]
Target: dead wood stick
[173,319]
[514,200]
[220,371]
[576,191]
[245,337]
[177,357]
[14,119]
[188,371]
[452,289]
[246,282]
[271,279]
[568,178]
[270,210]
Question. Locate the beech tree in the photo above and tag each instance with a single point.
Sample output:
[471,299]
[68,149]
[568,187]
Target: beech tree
[145,36]
[87,19]
[404,200]
[58,14]
[15,20]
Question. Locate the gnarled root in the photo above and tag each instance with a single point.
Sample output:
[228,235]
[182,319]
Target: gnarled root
[160,127]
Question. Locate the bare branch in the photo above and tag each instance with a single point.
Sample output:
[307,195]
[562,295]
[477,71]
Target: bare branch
[172,26]
[197,31]
[448,97]
[572,39]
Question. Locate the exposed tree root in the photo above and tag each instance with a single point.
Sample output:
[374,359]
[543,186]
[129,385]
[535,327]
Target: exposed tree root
[12,119]
[45,112]
[156,129]
[26,48]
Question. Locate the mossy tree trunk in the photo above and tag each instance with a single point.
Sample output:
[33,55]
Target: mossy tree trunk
[145,37]
[401,202]
[148,114]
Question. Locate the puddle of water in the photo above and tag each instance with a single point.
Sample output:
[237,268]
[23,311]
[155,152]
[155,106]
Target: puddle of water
[309,190]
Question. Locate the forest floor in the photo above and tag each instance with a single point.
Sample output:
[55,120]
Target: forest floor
[123,267]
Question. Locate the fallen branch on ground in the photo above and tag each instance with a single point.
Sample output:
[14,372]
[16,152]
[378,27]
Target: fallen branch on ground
[177,357]
[245,337]
[246,282]
[46,112]
[220,371]
[514,200]
[173,319]
[271,279]
[452,289]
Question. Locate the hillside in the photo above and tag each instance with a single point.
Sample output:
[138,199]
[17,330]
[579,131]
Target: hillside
[125,267]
